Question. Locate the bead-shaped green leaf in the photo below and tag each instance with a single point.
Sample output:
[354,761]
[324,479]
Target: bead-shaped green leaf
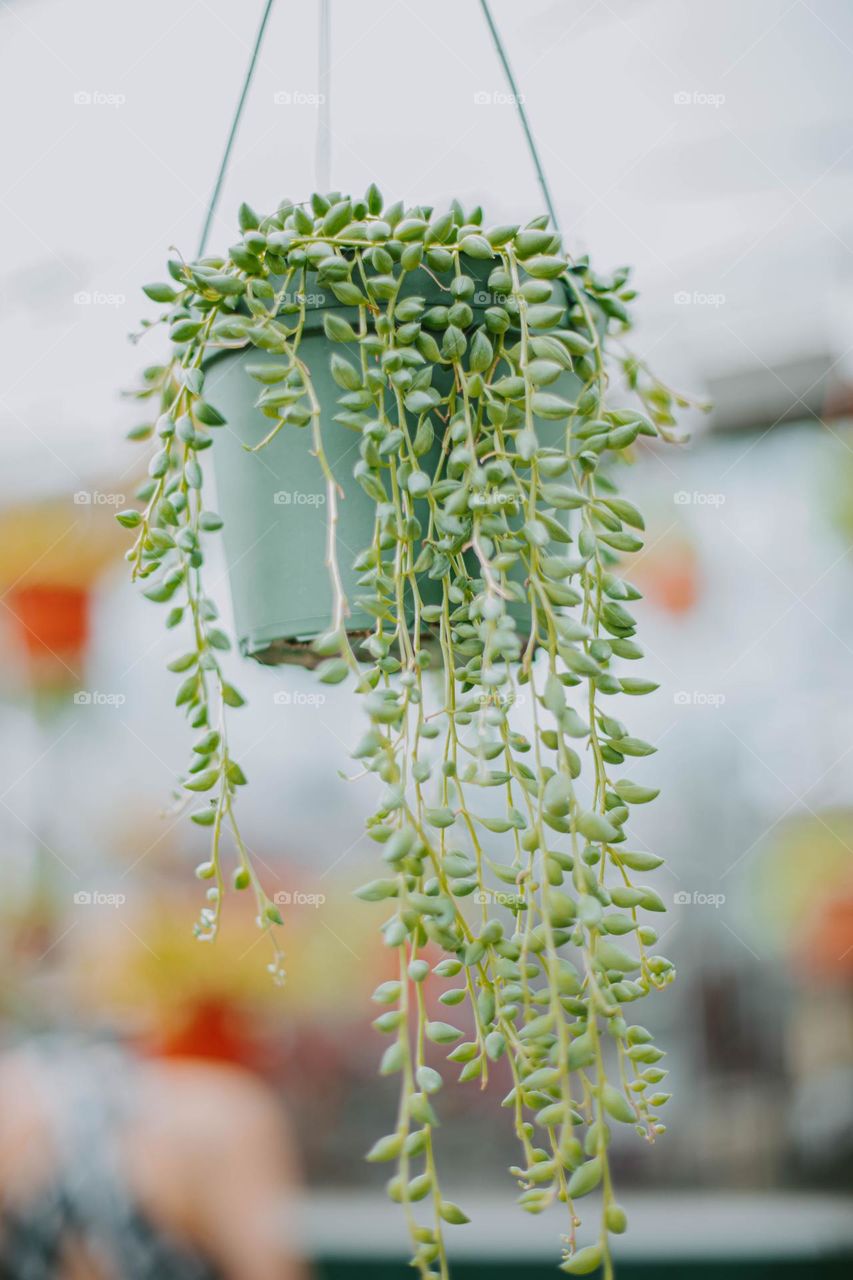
[584,1261]
[586,1178]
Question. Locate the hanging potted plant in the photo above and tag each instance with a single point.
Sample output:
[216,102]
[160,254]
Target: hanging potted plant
[447,388]
[274,501]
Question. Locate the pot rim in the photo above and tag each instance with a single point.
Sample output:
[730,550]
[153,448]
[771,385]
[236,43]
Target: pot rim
[436,295]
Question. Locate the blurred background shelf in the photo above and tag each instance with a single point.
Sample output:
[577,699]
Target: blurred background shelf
[679,1269]
[691,1235]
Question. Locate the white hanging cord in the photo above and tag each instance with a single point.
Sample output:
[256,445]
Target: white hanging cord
[323,160]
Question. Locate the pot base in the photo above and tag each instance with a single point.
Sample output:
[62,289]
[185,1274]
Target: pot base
[291,653]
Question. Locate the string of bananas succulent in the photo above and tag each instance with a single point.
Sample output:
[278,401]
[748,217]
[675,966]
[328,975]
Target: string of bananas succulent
[486,439]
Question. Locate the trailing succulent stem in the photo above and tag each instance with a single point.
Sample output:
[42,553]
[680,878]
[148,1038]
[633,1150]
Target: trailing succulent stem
[488,441]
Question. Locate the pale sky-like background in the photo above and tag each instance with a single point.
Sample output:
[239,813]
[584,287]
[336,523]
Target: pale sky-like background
[707,144]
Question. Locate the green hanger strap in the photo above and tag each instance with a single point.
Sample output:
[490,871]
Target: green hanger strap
[525,123]
[235,125]
[244,93]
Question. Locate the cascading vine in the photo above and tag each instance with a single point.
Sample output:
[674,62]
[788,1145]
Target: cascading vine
[496,567]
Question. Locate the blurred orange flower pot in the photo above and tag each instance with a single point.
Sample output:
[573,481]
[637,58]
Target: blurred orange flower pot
[53,620]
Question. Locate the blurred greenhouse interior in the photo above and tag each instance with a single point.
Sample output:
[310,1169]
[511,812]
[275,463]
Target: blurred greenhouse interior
[709,145]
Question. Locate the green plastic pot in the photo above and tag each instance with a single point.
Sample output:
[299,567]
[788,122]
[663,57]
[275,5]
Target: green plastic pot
[274,507]
[273,502]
